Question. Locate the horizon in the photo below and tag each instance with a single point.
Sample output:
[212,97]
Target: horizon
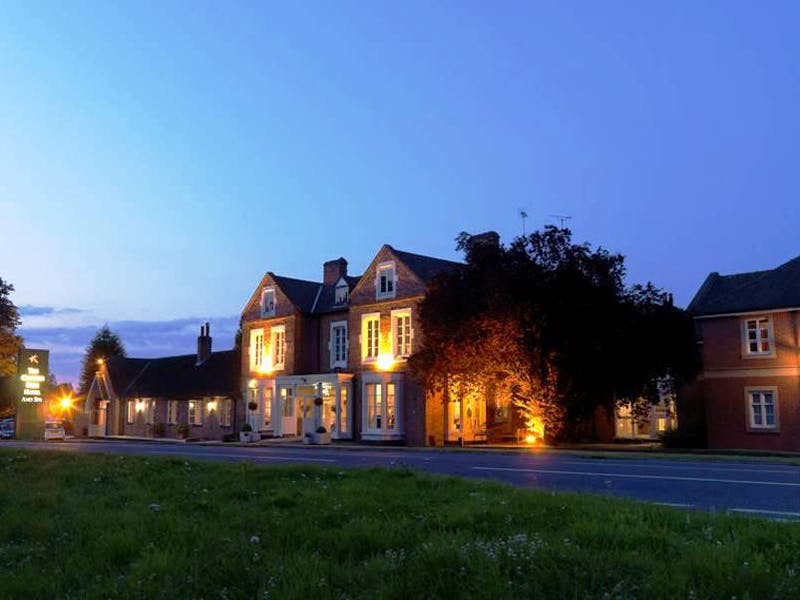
[157,160]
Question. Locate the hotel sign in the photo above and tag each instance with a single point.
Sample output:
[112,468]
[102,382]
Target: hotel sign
[33,369]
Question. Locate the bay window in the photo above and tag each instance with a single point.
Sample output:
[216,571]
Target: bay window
[383,406]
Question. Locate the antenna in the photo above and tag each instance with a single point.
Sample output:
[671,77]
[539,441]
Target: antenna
[523,215]
[562,219]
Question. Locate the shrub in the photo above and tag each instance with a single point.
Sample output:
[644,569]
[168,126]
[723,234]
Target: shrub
[321,429]
[247,428]
[252,405]
[684,438]
[182,430]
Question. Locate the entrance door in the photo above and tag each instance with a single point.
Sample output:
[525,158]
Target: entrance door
[102,419]
[288,420]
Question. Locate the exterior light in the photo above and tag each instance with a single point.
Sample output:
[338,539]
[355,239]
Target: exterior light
[530,439]
[100,362]
[385,362]
[212,405]
[139,405]
[65,403]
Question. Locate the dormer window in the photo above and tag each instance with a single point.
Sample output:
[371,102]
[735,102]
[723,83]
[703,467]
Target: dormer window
[268,302]
[342,294]
[385,282]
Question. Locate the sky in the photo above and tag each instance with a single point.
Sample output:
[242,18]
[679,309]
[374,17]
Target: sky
[156,158]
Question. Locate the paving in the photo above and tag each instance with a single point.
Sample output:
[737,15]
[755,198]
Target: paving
[753,488]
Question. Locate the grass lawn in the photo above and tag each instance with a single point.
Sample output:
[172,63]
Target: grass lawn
[94,526]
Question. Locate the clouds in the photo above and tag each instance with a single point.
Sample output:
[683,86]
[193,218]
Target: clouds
[29,310]
[67,339]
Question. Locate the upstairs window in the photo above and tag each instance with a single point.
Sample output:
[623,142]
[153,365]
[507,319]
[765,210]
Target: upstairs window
[256,349]
[268,302]
[758,337]
[401,333]
[278,344]
[762,406]
[338,343]
[370,336]
[385,281]
[342,294]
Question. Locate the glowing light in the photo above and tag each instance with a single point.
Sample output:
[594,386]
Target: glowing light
[65,403]
[530,439]
[385,362]
[212,405]
[139,405]
[100,362]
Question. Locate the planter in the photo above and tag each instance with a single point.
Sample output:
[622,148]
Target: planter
[249,436]
[321,438]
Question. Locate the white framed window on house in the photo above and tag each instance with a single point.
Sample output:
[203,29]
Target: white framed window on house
[385,280]
[401,333]
[758,337]
[341,294]
[195,412]
[762,408]
[267,406]
[268,302]
[338,344]
[172,412]
[278,346]
[256,349]
[370,336]
[225,412]
[383,406]
[131,412]
[149,411]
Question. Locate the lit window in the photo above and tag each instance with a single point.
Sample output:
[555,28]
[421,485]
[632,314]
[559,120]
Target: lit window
[758,336]
[390,406]
[278,345]
[267,406]
[268,302]
[172,412]
[256,349]
[341,294]
[338,344]
[401,333]
[287,405]
[370,337]
[375,405]
[225,412]
[343,411]
[383,405]
[150,411]
[131,411]
[385,281]
[195,412]
[762,405]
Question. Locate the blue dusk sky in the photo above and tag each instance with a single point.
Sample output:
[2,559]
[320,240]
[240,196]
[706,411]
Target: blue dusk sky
[156,158]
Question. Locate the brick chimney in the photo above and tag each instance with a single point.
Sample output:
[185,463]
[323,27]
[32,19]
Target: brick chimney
[333,270]
[204,344]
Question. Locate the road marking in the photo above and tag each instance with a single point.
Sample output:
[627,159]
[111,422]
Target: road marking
[761,511]
[247,456]
[619,462]
[674,504]
[635,476]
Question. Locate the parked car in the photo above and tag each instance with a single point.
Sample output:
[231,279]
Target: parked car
[6,429]
[54,430]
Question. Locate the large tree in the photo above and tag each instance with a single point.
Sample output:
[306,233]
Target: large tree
[10,342]
[105,344]
[551,326]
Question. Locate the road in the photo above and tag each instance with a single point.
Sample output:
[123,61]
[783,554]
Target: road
[759,488]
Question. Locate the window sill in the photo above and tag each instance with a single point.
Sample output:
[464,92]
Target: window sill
[752,429]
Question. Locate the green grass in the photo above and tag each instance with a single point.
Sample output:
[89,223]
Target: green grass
[85,526]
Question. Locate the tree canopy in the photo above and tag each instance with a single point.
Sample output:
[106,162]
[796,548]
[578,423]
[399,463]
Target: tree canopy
[105,344]
[551,325]
[10,342]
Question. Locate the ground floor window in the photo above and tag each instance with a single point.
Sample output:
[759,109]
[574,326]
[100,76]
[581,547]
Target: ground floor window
[195,412]
[267,406]
[150,411]
[762,404]
[172,412]
[225,412]
[382,402]
[131,412]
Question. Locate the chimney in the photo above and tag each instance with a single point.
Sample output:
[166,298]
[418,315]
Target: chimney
[487,238]
[204,344]
[333,270]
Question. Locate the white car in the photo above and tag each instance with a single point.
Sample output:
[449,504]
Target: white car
[54,430]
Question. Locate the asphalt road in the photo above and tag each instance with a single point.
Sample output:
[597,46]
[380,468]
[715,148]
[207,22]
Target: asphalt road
[759,488]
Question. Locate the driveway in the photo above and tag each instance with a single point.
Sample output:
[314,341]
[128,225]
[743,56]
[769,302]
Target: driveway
[765,489]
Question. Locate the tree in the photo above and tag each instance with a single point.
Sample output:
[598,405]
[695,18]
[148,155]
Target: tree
[105,344]
[549,325]
[10,342]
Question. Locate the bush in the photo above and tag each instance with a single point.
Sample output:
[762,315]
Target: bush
[321,429]
[182,430]
[252,405]
[247,428]
[684,438]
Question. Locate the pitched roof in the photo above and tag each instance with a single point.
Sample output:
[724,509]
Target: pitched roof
[301,292]
[745,292]
[425,267]
[176,376]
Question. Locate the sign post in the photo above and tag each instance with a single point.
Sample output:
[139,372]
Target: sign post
[33,369]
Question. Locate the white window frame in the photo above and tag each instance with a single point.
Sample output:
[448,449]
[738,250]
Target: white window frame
[256,349]
[130,415]
[397,314]
[273,346]
[749,392]
[366,355]
[172,412]
[196,419]
[149,411]
[268,399]
[368,428]
[340,362]
[391,281]
[341,294]
[225,412]
[770,340]
[266,310]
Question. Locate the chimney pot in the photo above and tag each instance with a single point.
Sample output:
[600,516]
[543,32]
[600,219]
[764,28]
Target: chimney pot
[204,344]
[333,270]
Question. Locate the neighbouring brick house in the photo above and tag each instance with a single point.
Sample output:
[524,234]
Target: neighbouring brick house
[748,393]
[194,395]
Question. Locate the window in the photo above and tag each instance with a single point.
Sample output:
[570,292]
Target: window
[256,349]
[149,411]
[375,403]
[758,337]
[268,302]
[390,405]
[383,406]
[341,294]
[267,406]
[195,412]
[343,410]
[338,344]
[401,333]
[762,408]
[278,345]
[131,411]
[385,281]
[225,412]
[172,412]
[287,406]
[370,336]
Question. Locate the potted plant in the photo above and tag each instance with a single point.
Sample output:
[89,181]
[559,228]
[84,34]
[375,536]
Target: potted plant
[247,434]
[182,430]
[322,436]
